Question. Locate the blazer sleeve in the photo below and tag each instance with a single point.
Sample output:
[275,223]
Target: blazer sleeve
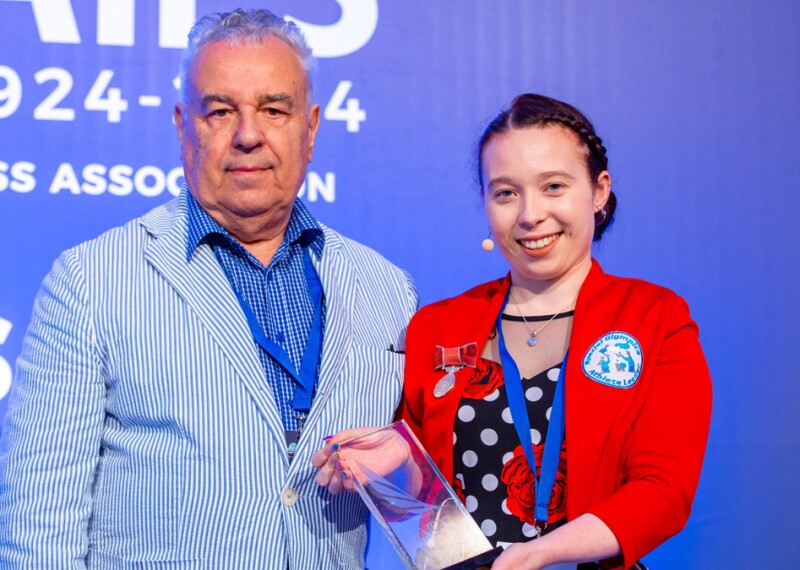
[51,437]
[666,446]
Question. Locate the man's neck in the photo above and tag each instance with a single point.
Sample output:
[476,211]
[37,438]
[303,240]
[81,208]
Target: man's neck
[260,235]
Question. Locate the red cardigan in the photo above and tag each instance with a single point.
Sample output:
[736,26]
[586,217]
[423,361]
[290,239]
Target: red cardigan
[633,454]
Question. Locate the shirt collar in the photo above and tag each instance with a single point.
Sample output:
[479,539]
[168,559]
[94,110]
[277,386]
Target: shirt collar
[303,228]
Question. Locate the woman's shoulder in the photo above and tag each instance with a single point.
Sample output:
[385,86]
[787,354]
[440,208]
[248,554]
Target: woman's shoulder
[607,299]
[457,319]
[630,287]
[473,299]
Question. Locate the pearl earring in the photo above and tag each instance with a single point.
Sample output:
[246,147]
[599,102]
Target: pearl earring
[488,244]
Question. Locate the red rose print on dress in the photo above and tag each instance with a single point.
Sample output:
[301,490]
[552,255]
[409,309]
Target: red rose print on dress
[521,497]
[458,487]
[485,380]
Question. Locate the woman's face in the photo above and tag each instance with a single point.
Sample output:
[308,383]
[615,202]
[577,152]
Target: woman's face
[540,202]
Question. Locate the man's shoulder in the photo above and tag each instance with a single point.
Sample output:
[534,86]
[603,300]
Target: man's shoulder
[158,220]
[362,256]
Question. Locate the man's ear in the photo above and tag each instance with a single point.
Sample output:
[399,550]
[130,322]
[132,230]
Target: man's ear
[313,126]
[178,116]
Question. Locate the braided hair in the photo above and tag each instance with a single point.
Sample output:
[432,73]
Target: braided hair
[531,110]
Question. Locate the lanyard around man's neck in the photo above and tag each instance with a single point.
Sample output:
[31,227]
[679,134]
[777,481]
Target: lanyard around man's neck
[305,377]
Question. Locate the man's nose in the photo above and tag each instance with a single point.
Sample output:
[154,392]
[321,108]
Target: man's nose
[249,132]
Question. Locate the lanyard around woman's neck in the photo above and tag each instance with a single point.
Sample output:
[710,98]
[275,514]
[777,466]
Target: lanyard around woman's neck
[544,482]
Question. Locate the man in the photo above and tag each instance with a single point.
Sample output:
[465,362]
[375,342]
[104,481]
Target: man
[180,371]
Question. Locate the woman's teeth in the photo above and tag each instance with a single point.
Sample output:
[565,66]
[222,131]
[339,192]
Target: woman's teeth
[538,243]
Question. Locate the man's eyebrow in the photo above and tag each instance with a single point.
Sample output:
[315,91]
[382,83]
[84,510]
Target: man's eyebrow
[282,97]
[214,98]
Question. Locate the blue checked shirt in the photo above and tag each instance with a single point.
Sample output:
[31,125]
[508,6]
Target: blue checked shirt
[278,294]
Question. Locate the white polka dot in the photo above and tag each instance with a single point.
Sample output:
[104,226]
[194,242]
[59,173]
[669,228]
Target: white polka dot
[529,530]
[470,458]
[507,416]
[505,507]
[489,436]
[493,396]
[553,373]
[489,482]
[547,413]
[466,413]
[460,477]
[471,504]
[533,394]
[508,457]
[455,438]
[488,528]
[536,437]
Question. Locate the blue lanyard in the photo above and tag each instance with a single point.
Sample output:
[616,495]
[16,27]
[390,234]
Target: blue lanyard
[543,483]
[304,378]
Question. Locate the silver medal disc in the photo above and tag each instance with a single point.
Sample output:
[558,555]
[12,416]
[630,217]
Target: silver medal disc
[444,385]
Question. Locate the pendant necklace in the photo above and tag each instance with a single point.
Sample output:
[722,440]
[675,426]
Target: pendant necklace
[532,338]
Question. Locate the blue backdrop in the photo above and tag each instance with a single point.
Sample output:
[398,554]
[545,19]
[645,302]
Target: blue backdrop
[697,102]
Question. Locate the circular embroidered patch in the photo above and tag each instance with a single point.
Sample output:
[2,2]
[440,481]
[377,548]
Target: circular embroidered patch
[615,359]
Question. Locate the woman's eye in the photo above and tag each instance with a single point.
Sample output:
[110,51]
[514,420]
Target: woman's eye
[554,187]
[503,193]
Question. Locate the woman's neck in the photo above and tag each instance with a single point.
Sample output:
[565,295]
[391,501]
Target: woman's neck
[544,297]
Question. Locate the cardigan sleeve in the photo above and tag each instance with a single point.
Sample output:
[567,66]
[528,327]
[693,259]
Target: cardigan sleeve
[666,448]
[410,408]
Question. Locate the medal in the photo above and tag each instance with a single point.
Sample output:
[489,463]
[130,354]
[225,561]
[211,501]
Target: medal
[446,382]
[451,360]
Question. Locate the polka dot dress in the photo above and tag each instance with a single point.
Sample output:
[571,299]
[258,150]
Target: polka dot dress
[492,475]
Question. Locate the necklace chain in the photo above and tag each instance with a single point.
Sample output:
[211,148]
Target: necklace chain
[532,338]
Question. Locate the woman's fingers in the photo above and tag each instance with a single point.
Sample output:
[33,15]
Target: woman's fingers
[321,456]
[334,472]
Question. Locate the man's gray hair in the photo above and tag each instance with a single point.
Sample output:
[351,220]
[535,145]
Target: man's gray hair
[241,27]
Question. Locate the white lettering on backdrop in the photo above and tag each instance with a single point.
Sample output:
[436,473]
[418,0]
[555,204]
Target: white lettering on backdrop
[116,24]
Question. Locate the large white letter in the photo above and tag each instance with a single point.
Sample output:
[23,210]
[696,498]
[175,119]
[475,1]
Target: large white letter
[352,32]
[175,19]
[65,179]
[116,22]
[5,367]
[55,21]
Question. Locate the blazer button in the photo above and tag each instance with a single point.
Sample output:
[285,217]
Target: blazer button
[288,497]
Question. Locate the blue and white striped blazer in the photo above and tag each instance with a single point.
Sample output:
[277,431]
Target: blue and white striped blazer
[139,434]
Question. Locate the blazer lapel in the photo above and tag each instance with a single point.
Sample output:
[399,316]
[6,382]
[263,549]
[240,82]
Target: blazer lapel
[337,275]
[202,284]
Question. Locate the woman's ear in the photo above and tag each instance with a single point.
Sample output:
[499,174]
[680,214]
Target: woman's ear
[602,190]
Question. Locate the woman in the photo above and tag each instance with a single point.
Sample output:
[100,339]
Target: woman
[598,382]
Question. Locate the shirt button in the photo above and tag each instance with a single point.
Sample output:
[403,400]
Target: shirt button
[289,497]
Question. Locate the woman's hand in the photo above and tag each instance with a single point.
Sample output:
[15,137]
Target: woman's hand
[382,452]
[519,556]
[328,460]
[584,539]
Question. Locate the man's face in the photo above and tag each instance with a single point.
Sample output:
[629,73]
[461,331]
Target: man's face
[247,132]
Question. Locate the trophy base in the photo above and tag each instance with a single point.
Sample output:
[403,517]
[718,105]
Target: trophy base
[478,561]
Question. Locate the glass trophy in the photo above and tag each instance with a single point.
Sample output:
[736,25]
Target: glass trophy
[423,518]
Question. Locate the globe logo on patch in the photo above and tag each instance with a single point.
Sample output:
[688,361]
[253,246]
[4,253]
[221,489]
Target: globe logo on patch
[615,359]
